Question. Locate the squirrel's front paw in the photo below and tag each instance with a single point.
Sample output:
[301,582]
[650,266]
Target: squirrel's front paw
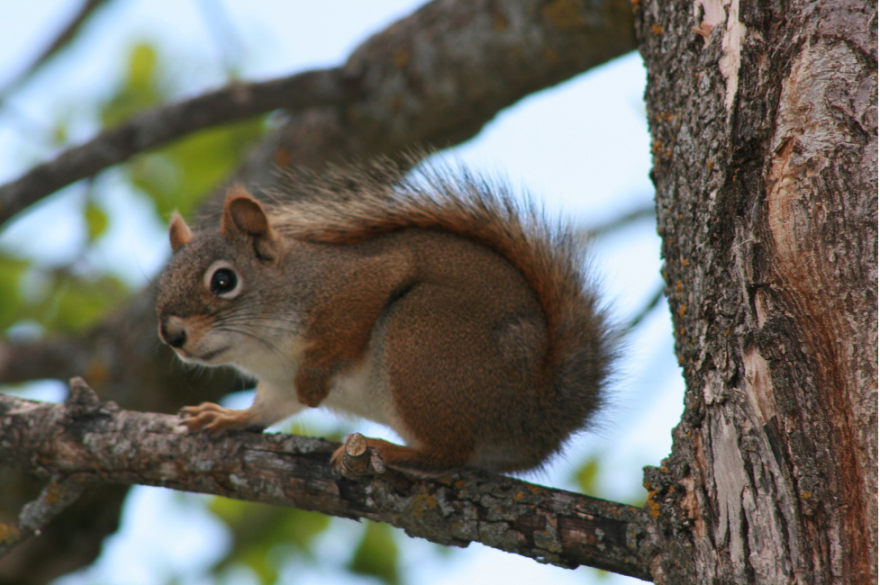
[213,417]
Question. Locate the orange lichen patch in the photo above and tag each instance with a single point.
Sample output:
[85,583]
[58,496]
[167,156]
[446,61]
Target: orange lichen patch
[9,532]
[52,496]
[658,30]
[423,504]
[652,504]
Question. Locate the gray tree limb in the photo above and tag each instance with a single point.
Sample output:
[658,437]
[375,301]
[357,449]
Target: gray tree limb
[87,441]
[158,126]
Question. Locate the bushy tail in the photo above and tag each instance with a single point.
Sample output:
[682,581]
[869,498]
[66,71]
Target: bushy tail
[353,203]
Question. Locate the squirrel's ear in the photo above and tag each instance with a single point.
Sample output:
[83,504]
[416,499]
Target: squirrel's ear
[178,232]
[242,214]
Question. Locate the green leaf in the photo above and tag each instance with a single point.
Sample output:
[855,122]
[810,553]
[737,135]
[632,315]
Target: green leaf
[377,554]
[142,66]
[11,271]
[140,89]
[59,133]
[79,302]
[179,175]
[96,220]
[586,476]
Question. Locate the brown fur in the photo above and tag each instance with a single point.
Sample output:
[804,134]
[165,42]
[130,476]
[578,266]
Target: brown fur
[433,305]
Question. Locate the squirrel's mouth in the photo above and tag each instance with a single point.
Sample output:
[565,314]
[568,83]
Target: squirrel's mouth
[203,358]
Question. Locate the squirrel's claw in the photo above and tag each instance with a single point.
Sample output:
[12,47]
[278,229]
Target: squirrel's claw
[213,418]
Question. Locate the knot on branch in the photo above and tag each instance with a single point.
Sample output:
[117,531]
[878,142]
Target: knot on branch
[356,460]
[83,402]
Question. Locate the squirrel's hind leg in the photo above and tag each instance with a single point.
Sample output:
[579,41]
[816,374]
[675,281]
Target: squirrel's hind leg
[423,462]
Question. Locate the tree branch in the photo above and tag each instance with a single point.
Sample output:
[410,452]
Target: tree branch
[59,493]
[408,84]
[99,442]
[161,125]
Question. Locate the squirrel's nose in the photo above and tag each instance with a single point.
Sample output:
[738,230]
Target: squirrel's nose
[172,331]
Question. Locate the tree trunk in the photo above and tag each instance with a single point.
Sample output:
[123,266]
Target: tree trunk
[764,133]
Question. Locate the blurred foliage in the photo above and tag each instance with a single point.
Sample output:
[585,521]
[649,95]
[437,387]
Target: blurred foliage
[264,538]
[97,221]
[377,554]
[66,298]
[139,90]
[11,301]
[179,175]
[55,299]
[176,176]
[586,476]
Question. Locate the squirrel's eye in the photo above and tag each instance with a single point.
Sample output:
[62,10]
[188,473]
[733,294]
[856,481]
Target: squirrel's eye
[223,281]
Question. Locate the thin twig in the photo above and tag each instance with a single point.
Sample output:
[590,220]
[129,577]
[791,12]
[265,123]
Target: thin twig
[59,493]
[646,310]
[67,34]
[226,41]
[638,214]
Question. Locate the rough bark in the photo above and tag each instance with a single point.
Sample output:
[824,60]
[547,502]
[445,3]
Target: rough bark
[84,441]
[764,127]
[435,77]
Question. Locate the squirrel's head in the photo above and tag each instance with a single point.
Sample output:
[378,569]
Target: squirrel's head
[213,293]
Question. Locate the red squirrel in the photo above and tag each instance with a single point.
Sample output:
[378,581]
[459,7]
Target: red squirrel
[433,305]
